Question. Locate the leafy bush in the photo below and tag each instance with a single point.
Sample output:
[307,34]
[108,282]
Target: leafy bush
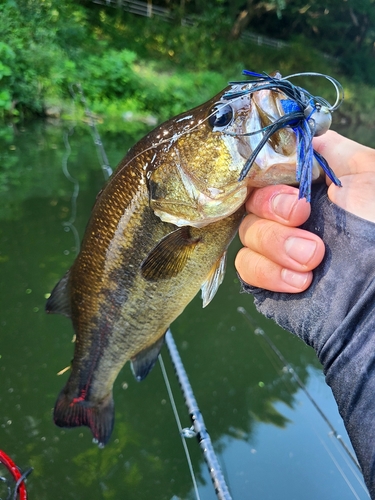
[138,68]
[32,53]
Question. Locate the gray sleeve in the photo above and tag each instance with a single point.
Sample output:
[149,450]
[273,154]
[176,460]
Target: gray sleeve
[336,316]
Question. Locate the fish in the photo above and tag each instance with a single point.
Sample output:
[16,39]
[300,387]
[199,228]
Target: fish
[158,233]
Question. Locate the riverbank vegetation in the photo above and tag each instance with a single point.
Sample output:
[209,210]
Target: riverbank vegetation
[140,71]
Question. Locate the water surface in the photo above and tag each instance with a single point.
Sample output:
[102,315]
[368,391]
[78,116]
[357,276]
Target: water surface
[270,440]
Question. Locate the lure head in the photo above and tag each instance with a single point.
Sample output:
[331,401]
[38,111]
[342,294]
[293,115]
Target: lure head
[195,173]
[319,119]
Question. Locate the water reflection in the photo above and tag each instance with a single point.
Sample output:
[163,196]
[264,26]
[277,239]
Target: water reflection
[270,440]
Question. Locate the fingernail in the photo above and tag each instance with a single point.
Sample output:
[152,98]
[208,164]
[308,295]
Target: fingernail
[300,249]
[297,280]
[282,204]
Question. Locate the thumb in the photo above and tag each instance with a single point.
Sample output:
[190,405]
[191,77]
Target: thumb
[344,156]
[354,165]
[356,195]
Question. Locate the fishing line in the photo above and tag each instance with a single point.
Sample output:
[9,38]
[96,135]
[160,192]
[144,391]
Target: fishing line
[221,488]
[338,442]
[181,431]
[284,378]
[259,331]
[354,470]
[341,471]
[102,156]
[69,225]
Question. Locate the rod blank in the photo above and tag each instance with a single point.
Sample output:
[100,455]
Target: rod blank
[204,439]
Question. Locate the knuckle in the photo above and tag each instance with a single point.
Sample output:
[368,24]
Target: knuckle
[269,236]
[246,228]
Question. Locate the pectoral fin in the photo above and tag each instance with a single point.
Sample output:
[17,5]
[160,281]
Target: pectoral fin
[214,280]
[59,300]
[145,360]
[169,256]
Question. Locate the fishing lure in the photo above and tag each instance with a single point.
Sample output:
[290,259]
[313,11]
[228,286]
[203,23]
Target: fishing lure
[307,115]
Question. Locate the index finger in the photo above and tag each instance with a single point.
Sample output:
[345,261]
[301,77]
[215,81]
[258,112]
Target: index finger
[279,203]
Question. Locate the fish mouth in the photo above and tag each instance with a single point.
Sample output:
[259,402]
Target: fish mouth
[214,189]
[279,151]
[276,161]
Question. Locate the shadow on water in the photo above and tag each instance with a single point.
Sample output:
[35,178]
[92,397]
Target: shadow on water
[270,441]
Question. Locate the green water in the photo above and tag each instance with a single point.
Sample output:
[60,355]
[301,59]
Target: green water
[270,440]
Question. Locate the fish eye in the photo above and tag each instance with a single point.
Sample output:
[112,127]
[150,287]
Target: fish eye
[221,115]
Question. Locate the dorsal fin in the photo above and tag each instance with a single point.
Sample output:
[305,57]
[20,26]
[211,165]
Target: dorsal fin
[59,300]
[145,360]
[214,280]
[169,256]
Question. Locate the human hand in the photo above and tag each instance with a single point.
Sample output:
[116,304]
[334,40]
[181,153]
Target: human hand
[277,255]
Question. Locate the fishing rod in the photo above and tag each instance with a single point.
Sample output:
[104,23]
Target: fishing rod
[183,432]
[198,428]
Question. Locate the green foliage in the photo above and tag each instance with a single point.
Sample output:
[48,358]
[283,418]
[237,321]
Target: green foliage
[31,53]
[7,57]
[141,69]
[166,95]
[342,29]
[109,74]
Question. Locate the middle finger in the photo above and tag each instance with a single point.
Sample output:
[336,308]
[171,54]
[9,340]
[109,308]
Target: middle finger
[290,247]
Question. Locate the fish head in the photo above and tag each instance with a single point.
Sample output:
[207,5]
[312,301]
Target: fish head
[194,177]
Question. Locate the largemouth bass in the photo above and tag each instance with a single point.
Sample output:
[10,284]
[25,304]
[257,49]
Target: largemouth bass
[159,232]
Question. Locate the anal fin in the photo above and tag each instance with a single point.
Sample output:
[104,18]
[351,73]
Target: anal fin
[145,360]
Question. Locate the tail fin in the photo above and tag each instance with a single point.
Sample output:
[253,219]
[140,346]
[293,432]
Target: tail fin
[99,417]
